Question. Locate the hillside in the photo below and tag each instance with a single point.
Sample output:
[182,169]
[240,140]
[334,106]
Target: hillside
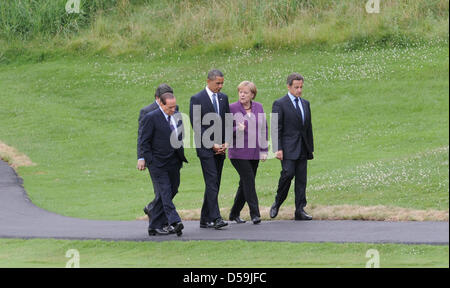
[38,29]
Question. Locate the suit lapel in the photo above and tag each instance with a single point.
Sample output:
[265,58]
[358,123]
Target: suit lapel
[208,102]
[221,103]
[166,126]
[292,108]
[180,127]
[307,113]
[163,119]
[305,110]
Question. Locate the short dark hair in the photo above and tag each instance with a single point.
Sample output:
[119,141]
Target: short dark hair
[213,74]
[294,76]
[166,96]
[163,88]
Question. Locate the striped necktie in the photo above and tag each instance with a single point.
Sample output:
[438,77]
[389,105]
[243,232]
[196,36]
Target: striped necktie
[170,123]
[216,107]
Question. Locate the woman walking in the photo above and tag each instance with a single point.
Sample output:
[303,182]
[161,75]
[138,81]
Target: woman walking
[249,146]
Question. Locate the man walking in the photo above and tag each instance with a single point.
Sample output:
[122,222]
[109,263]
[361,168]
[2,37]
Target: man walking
[163,152]
[210,104]
[161,89]
[295,145]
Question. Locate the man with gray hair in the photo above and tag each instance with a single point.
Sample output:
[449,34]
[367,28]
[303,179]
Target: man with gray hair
[141,165]
[164,162]
[210,104]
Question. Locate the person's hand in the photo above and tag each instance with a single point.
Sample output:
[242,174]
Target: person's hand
[241,126]
[141,165]
[220,149]
[263,156]
[217,149]
[279,155]
[224,147]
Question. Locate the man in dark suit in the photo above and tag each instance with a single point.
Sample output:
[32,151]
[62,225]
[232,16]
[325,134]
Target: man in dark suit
[294,146]
[161,89]
[163,152]
[209,106]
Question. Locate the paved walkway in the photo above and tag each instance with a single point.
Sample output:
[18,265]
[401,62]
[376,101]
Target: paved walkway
[19,218]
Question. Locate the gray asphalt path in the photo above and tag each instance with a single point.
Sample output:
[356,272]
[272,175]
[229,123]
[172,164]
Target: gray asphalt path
[19,218]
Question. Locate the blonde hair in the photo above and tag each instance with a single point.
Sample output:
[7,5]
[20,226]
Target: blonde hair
[249,84]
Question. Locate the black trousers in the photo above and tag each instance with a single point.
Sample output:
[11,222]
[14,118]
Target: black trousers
[152,203]
[246,192]
[290,169]
[212,174]
[166,181]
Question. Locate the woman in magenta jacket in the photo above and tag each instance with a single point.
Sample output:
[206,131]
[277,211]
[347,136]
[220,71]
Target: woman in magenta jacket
[249,146]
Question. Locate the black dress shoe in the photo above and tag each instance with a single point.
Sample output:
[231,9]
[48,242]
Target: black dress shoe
[147,212]
[237,219]
[168,228]
[206,224]
[176,228]
[219,223]
[256,220]
[303,216]
[154,232]
[274,210]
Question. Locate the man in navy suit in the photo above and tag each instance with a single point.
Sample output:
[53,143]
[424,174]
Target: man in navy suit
[161,89]
[295,145]
[163,152]
[207,114]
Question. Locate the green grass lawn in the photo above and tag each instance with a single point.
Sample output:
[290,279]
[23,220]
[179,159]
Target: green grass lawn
[380,118]
[52,253]
[380,121]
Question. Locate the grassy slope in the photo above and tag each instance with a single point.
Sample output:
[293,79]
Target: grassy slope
[380,120]
[39,29]
[51,253]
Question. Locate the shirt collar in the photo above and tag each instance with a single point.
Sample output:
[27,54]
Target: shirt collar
[292,96]
[172,120]
[210,93]
[164,113]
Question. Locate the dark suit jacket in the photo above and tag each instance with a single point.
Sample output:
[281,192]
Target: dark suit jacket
[204,101]
[291,130]
[155,140]
[142,113]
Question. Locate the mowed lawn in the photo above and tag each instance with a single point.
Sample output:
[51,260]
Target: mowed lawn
[380,119]
[57,253]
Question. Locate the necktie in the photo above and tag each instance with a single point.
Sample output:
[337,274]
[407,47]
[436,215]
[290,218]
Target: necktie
[170,124]
[216,107]
[298,109]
